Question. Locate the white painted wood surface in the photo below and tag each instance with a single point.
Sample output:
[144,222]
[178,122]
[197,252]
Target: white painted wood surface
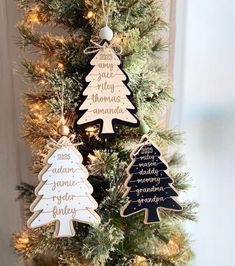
[64,193]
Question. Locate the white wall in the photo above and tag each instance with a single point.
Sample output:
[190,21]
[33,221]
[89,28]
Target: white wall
[205,87]
[12,150]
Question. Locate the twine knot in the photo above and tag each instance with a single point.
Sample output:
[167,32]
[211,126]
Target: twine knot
[97,47]
[141,145]
[63,142]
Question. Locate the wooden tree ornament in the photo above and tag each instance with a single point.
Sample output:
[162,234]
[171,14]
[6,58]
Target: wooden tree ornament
[107,99]
[149,187]
[64,194]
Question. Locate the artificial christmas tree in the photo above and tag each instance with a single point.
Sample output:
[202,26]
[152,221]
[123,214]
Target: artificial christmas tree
[59,31]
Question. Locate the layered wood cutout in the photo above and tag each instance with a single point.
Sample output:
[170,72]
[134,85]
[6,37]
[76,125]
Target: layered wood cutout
[149,187]
[107,99]
[64,194]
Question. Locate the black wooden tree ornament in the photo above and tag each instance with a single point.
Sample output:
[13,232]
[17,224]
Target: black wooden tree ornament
[149,187]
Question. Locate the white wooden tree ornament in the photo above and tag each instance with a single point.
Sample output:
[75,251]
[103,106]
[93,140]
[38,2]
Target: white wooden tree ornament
[64,194]
[107,99]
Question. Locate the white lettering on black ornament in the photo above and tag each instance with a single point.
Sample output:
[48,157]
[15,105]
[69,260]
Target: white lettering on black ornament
[107,99]
[64,194]
[149,188]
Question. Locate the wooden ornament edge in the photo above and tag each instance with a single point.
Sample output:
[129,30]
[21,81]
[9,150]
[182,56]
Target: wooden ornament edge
[39,197]
[100,122]
[146,211]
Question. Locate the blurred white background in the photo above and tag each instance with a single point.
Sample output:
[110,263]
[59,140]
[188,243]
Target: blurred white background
[205,111]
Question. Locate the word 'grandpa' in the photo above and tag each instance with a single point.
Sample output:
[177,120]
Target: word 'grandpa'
[155,199]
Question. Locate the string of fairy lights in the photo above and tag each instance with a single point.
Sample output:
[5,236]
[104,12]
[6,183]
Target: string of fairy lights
[171,248]
[33,17]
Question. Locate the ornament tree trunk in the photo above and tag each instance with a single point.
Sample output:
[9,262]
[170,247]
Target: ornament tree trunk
[60,64]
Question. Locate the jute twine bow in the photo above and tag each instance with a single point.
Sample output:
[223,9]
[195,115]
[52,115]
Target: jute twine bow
[141,145]
[97,47]
[63,142]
